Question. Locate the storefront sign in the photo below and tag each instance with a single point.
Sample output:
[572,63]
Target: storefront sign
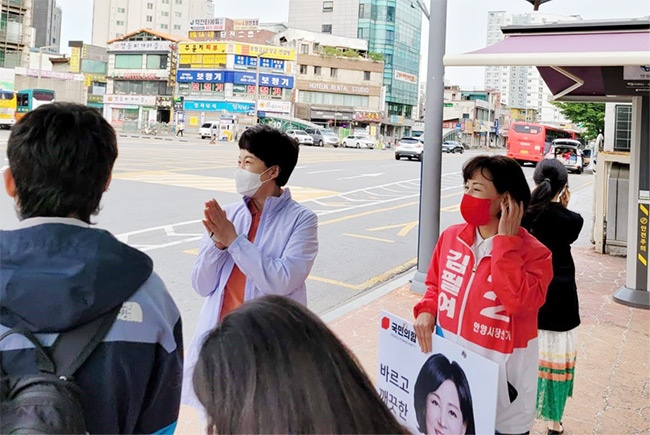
[274,106]
[253,50]
[367,116]
[95,98]
[265,62]
[218,106]
[338,88]
[140,46]
[142,100]
[137,75]
[75,59]
[199,76]
[406,77]
[246,24]
[164,101]
[32,72]
[208,24]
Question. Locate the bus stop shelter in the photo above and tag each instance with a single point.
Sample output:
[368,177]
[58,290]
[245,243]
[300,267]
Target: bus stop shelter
[594,61]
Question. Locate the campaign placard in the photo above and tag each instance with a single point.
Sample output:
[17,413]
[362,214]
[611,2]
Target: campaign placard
[451,390]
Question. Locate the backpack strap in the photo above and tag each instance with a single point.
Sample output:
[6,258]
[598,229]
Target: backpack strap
[43,361]
[71,349]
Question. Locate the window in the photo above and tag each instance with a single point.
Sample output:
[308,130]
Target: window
[304,48]
[390,14]
[364,10]
[165,2]
[303,69]
[178,14]
[177,27]
[141,87]
[317,70]
[334,72]
[119,23]
[363,33]
[149,5]
[149,19]
[178,2]
[366,75]
[93,66]
[121,10]
[164,13]
[326,28]
[328,6]
[623,127]
[128,61]
[164,26]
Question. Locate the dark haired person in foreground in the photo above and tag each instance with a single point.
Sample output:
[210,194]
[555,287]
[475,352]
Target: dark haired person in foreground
[442,398]
[264,244]
[487,279]
[58,273]
[271,366]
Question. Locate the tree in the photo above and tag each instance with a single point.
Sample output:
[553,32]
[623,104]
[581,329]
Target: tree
[536,3]
[591,116]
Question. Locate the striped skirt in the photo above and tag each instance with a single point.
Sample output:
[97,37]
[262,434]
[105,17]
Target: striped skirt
[557,360]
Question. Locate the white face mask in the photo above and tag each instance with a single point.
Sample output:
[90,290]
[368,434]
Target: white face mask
[248,183]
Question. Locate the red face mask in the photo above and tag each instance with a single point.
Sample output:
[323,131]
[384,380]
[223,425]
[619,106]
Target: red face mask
[475,211]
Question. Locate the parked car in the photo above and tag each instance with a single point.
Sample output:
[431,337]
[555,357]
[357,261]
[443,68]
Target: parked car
[301,136]
[452,146]
[323,136]
[359,141]
[569,152]
[205,131]
[411,147]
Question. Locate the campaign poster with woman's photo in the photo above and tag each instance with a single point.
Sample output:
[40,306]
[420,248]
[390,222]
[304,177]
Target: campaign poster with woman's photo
[448,391]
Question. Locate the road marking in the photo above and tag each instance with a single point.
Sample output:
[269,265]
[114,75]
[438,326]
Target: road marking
[405,228]
[367,213]
[371,281]
[361,176]
[194,251]
[323,172]
[377,239]
[452,208]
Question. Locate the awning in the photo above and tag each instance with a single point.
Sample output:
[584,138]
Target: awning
[610,62]
[586,49]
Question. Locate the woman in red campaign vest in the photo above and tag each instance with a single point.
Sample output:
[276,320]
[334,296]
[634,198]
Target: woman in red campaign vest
[487,280]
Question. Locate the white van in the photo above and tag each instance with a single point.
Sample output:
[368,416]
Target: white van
[205,132]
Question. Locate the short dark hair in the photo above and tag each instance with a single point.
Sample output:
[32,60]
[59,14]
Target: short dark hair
[272,366]
[504,172]
[273,147]
[436,370]
[550,177]
[61,156]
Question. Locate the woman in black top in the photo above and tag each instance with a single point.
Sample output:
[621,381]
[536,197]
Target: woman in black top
[548,219]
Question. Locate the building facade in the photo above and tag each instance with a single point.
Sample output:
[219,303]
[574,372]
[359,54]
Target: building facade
[522,87]
[336,84]
[112,19]
[392,29]
[92,62]
[46,21]
[233,83]
[478,117]
[16,33]
[227,29]
[141,77]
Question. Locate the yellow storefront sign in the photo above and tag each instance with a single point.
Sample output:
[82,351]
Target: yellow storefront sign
[203,48]
[75,58]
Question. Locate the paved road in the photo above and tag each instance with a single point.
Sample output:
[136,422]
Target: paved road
[366,201]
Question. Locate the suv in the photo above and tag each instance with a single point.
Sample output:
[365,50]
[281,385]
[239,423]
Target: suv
[411,147]
[323,136]
[569,152]
[301,137]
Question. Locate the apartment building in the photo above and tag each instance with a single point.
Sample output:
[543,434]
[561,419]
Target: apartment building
[16,33]
[115,18]
[46,21]
[522,87]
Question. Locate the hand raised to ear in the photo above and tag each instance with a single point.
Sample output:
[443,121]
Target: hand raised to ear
[511,215]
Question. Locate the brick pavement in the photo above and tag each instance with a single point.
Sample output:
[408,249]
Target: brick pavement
[612,384]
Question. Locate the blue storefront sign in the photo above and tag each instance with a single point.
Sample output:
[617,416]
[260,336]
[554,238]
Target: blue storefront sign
[240,78]
[199,76]
[218,106]
[265,62]
[276,81]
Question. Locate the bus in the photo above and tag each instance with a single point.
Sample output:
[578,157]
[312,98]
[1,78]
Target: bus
[30,99]
[7,108]
[528,142]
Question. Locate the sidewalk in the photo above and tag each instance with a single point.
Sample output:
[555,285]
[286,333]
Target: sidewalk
[612,386]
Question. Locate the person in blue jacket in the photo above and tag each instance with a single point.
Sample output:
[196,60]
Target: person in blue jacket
[58,273]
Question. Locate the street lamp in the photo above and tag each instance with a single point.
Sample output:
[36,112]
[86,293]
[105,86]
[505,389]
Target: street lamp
[40,62]
[431,167]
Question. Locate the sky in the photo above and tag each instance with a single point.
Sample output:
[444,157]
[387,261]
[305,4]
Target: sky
[466,22]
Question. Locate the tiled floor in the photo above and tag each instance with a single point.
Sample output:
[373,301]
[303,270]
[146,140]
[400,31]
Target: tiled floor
[612,385]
